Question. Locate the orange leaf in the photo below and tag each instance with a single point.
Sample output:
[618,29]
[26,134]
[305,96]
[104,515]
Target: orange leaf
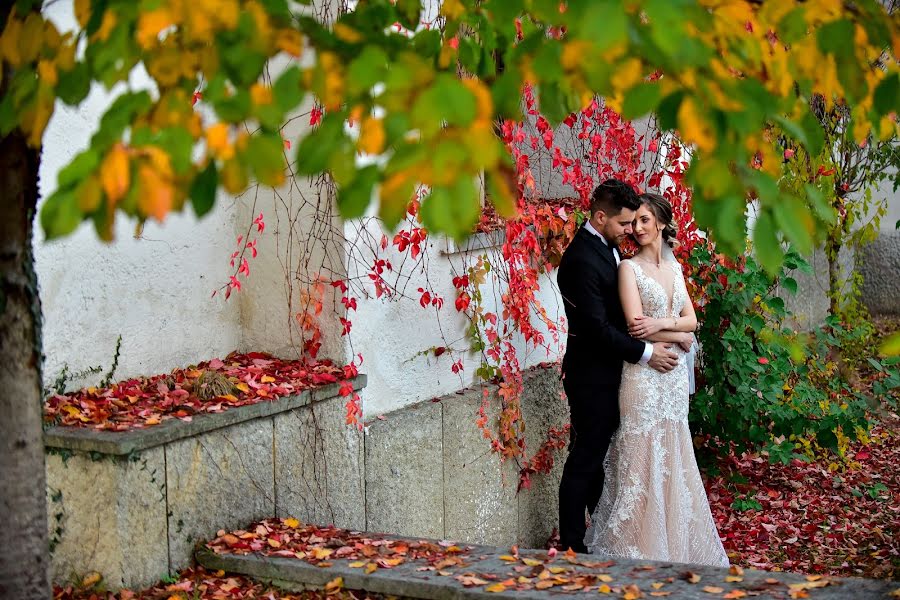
[156,194]
[115,174]
[497,587]
[711,589]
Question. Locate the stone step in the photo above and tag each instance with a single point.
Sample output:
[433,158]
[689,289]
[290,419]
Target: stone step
[483,567]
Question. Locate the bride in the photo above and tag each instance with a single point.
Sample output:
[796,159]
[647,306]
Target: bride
[653,504]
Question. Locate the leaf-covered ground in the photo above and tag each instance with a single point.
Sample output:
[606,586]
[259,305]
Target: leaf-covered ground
[142,402]
[804,517]
[836,517]
[201,584]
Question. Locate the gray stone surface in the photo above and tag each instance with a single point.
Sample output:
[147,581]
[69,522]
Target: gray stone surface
[480,492]
[221,479]
[542,408]
[410,580]
[810,304]
[879,264]
[108,515]
[126,442]
[404,472]
[319,472]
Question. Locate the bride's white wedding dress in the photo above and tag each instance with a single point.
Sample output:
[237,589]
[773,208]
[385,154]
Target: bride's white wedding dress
[653,505]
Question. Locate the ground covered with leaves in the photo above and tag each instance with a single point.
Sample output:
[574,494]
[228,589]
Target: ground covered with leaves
[201,584]
[833,515]
[209,387]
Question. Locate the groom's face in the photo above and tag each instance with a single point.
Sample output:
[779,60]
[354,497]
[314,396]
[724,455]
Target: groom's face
[615,228]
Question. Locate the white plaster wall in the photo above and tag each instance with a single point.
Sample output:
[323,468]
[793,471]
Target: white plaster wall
[154,290]
[390,333]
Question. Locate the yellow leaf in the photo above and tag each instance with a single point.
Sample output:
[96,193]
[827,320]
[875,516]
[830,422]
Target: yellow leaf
[274,543]
[290,41]
[346,33]
[604,589]
[733,579]
[89,194]
[234,176]
[694,127]
[32,37]
[260,94]
[106,27]
[320,553]
[357,564]
[659,594]
[604,578]
[91,579]
[335,584]
[228,397]
[115,174]
[371,136]
[150,24]
[9,42]
[557,570]
[243,387]
[371,568]
[508,558]
[217,142]
[47,72]
[267,379]
[531,562]
[497,587]
[156,195]
[657,584]
[711,589]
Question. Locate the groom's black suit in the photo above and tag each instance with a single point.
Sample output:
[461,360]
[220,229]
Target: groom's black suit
[592,371]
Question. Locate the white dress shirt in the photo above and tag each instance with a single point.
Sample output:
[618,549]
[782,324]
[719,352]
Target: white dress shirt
[648,347]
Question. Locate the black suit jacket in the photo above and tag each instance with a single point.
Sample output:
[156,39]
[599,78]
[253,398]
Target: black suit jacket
[597,341]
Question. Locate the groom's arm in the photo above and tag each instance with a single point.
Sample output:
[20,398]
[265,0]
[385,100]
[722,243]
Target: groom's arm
[587,296]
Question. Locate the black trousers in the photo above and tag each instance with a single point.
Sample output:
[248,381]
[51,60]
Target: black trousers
[594,419]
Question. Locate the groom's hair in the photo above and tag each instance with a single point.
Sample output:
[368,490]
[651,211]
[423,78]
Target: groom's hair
[612,196]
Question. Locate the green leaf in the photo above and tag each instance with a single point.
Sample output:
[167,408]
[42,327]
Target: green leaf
[730,224]
[819,204]
[60,214]
[507,94]
[288,89]
[366,70]
[265,155]
[242,64]
[178,144]
[834,36]
[792,26]
[203,189]
[887,94]
[792,218]
[603,22]
[408,13]
[815,137]
[452,210]
[277,8]
[446,100]
[640,100]
[80,167]
[74,85]
[234,108]
[316,148]
[790,284]
[668,111]
[119,116]
[766,244]
[353,199]
[891,346]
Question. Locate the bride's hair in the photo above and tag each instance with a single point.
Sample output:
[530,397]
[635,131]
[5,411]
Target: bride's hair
[662,210]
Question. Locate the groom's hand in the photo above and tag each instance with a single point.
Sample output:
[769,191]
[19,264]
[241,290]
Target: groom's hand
[663,359]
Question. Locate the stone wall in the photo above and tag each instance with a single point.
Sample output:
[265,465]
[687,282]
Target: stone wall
[132,505]
[430,471]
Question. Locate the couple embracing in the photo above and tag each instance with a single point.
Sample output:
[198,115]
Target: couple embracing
[631,463]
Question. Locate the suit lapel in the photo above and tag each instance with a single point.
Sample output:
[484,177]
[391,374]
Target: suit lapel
[599,247]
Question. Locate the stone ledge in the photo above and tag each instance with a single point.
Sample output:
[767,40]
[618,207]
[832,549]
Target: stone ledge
[406,580]
[475,242]
[124,443]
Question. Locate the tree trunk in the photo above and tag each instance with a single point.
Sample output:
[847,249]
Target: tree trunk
[24,560]
[833,253]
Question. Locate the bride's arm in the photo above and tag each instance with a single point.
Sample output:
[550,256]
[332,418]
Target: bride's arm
[644,327]
[683,339]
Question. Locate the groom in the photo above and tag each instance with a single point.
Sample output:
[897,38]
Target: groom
[596,346]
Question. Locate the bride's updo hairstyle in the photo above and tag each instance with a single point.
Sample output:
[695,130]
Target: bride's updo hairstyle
[662,210]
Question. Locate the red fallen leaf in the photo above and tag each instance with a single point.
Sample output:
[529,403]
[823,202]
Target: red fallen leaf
[863,455]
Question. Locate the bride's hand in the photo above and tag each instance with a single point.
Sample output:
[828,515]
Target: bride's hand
[645,326]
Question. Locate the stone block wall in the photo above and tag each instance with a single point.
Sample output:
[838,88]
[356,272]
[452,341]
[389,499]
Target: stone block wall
[133,505]
[430,471]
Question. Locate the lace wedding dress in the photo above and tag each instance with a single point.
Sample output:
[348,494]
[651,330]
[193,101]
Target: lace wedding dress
[654,505]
